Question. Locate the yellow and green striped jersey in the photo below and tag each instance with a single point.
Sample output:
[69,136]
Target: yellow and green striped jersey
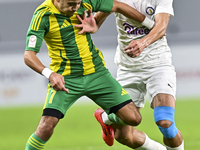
[70,53]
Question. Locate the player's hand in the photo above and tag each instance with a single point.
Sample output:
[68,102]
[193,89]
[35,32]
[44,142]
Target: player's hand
[57,82]
[88,23]
[135,48]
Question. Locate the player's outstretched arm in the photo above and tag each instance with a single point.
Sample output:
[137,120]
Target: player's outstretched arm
[32,61]
[127,11]
[132,13]
[159,30]
[57,80]
[88,23]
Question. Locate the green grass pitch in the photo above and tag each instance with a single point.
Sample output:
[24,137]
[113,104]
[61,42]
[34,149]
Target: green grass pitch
[80,131]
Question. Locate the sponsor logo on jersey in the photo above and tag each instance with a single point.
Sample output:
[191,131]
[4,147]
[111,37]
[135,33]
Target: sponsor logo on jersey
[32,41]
[150,11]
[136,31]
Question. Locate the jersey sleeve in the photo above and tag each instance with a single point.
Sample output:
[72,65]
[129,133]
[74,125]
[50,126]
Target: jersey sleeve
[101,5]
[37,29]
[164,6]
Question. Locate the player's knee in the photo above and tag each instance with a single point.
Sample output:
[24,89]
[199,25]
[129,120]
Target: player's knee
[164,123]
[164,118]
[46,127]
[133,119]
[129,114]
[49,127]
[136,120]
[169,132]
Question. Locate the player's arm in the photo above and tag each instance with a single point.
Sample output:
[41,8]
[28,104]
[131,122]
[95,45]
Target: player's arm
[100,17]
[89,25]
[31,60]
[126,10]
[159,30]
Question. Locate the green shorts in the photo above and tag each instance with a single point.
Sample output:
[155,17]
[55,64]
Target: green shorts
[100,87]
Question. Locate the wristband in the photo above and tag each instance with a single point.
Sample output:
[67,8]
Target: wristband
[148,23]
[46,72]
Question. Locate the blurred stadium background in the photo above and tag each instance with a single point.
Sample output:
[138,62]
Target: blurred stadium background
[21,88]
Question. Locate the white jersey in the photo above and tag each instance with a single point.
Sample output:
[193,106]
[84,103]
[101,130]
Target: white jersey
[155,54]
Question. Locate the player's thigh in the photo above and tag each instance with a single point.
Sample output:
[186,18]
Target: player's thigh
[105,91]
[162,99]
[162,81]
[132,82]
[61,100]
[129,114]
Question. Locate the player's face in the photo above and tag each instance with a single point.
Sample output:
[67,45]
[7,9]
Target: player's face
[68,7]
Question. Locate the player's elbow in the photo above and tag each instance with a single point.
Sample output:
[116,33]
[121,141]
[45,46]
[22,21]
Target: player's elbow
[162,28]
[26,58]
[161,31]
[116,6]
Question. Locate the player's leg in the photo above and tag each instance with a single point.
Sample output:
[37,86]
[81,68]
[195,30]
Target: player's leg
[162,89]
[128,135]
[133,83]
[164,109]
[55,107]
[135,139]
[105,91]
[128,114]
[43,132]
[107,130]
[125,135]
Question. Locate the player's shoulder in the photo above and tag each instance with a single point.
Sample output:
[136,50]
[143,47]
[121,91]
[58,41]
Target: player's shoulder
[42,9]
[161,2]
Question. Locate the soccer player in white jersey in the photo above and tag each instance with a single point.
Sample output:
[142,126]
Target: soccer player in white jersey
[145,66]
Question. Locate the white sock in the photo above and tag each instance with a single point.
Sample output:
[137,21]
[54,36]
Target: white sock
[105,119]
[181,147]
[150,144]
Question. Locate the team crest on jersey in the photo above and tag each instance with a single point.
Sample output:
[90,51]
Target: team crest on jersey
[32,41]
[150,11]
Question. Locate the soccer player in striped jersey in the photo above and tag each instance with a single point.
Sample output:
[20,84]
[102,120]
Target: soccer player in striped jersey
[144,65]
[77,66]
